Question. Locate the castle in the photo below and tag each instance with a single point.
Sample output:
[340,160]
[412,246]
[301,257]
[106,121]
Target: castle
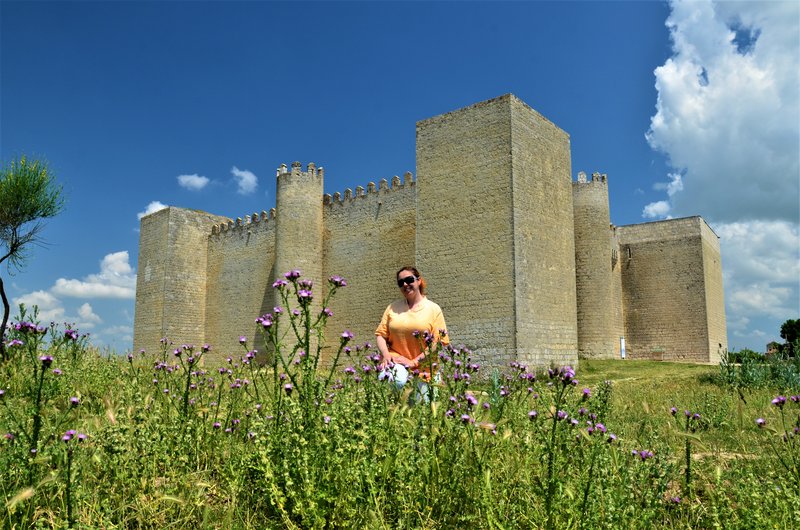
[524,262]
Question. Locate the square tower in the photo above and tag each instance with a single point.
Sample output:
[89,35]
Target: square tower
[495,236]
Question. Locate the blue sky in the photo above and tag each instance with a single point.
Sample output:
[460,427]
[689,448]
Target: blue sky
[689,107]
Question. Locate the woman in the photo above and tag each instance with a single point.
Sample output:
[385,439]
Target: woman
[404,325]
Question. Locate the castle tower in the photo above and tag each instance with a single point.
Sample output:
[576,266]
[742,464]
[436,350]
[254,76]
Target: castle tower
[171,277]
[597,332]
[298,224]
[494,230]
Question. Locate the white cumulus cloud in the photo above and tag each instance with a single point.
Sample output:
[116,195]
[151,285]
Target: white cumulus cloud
[88,318]
[728,109]
[728,119]
[656,210]
[116,279]
[151,208]
[50,308]
[246,180]
[193,182]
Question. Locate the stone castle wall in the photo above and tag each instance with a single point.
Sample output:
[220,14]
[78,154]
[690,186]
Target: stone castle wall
[523,261]
[664,290]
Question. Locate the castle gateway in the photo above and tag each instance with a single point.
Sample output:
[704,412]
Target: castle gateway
[523,261]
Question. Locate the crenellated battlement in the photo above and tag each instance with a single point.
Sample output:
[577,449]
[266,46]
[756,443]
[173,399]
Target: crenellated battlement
[596,177]
[296,170]
[249,222]
[381,188]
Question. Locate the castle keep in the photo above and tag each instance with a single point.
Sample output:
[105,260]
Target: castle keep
[524,262]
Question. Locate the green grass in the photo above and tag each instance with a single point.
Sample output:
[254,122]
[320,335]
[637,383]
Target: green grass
[175,444]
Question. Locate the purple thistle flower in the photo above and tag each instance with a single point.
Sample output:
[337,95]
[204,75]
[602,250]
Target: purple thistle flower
[288,388]
[347,335]
[2,392]
[466,418]
[587,393]
[46,360]
[561,415]
[471,400]
[296,312]
[57,371]
[9,436]
[795,399]
[74,401]
[696,416]
[600,427]
[532,415]
[71,334]
[292,275]
[612,438]
[326,419]
[217,425]
[779,401]
[675,500]
[761,422]
[15,342]
[277,284]
[673,411]
[242,340]
[486,406]
[304,296]
[337,281]
[327,311]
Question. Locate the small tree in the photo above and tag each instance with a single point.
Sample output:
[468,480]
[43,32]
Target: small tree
[28,194]
[790,332]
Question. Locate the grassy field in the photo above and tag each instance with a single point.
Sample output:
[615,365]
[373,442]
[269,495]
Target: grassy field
[161,440]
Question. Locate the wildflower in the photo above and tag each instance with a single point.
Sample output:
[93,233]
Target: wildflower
[675,500]
[486,406]
[561,415]
[582,411]
[587,393]
[71,334]
[292,275]
[347,335]
[673,411]
[57,371]
[306,284]
[466,418]
[288,388]
[177,352]
[304,296]
[47,360]
[532,415]
[68,435]
[600,427]
[761,422]
[471,400]
[166,391]
[9,436]
[696,416]
[612,438]
[326,419]
[2,392]
[74,401]
[327,311]
[277,284]
[337,281]
[217,425]
[779,401]
[15,342]
[242,340]
[644,454]
[130,357]
[296,312]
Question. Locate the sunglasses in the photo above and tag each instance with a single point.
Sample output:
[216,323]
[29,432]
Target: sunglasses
[408,280]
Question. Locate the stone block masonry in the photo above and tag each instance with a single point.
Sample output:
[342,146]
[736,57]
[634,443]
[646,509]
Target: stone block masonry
[524,262]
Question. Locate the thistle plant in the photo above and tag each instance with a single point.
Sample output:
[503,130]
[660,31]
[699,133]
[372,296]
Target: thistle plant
[787,452]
